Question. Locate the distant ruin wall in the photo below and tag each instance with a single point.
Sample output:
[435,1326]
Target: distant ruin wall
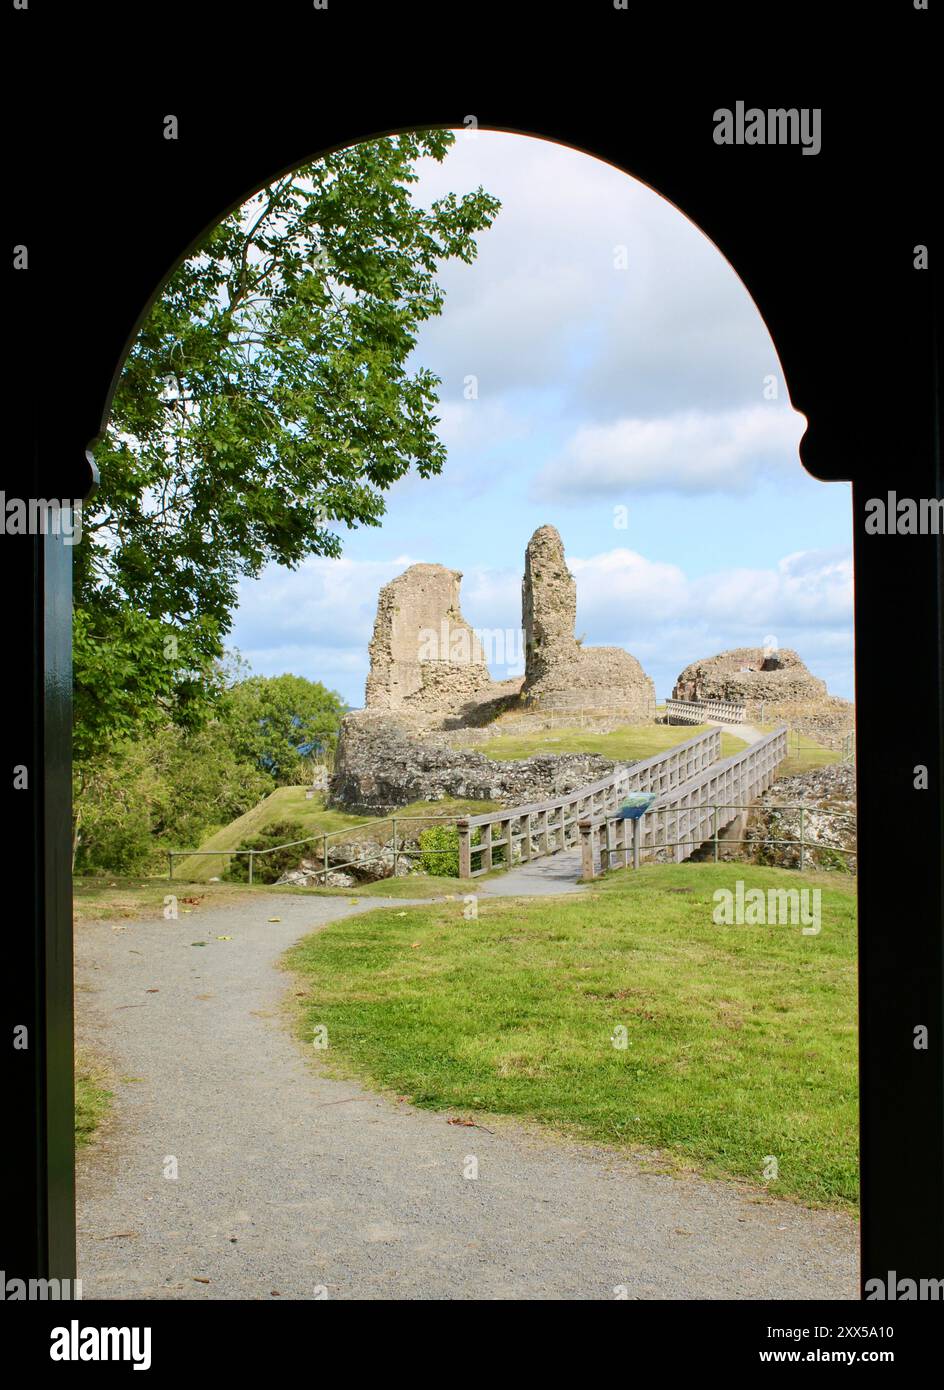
[560,674]
[382,765]
[775,686]
[427,663]
[424,656]
[749,674]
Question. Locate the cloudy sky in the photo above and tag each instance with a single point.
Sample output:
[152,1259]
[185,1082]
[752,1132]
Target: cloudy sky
[628,392]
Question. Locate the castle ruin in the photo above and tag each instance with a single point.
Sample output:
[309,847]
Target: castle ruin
[427,663]
[773,684]
[429,676]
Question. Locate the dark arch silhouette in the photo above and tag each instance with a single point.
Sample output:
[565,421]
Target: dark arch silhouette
[795,231]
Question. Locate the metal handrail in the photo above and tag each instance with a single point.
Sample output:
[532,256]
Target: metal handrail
[591,824]
[323,838]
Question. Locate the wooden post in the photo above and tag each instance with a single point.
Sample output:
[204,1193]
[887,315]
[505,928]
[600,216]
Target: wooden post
[544,842]
[802,844]
[610,833]
[465,848]
[526,842]
[324,858]
[170,868]
[251,857]
[394,820]
[714,815]
[637,835]
[587,866]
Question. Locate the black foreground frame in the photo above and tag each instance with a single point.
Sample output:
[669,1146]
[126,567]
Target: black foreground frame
[826,247]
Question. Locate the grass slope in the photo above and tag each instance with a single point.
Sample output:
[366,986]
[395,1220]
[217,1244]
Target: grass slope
[289,803]
[631,741]
[741,1039]
[92,1097]
[803,753]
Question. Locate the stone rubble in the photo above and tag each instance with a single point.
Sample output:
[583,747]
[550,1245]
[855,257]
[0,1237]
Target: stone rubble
[831,792]
[382,765]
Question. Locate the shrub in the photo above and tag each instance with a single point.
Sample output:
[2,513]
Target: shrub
[439,850]
[268,868]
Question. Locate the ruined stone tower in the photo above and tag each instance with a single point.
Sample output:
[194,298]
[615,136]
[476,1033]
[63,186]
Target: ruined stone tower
[560,674]
[424,656]
[548,605]
[426,662]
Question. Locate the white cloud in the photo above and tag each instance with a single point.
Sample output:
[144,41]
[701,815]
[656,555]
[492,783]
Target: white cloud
[692,451]
[545,297]
[319,620]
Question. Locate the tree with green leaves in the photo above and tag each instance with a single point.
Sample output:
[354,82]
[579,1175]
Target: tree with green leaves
[165,790]
[266,404]
[280,724]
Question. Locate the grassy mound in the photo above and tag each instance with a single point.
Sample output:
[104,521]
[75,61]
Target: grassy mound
[740,1056]
[629,742]
[290,804]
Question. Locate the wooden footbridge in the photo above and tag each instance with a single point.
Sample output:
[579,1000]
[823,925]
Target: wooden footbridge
[698,794]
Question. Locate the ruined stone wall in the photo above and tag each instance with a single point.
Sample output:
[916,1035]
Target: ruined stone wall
[382,765]
[775,687]
[750,674]
[560,674]
[427,663]
[548,606]
[828,721]
[424,656]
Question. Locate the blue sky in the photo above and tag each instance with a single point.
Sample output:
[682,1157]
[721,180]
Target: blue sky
[628,393]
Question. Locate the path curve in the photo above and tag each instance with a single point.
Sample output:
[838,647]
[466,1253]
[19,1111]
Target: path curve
[294,1185]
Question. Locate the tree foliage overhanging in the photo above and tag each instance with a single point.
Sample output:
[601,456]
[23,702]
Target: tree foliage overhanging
[265,404]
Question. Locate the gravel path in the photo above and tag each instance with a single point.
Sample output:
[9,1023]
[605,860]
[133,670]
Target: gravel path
[557,873]
[293,1185]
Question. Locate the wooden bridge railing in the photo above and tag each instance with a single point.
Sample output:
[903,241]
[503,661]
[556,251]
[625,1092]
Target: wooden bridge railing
[697,711]
[686,816]
[544,827]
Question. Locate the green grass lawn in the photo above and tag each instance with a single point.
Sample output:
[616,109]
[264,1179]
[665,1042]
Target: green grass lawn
[631,741]
[289,803]
[803,753]
[92,1098]
[741,1039]
[113,899]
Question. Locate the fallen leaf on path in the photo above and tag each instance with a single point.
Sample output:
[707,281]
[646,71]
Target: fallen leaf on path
[152,991]
[198,943]
[224,938]
[198,1280]
[468,1124]
[275,919]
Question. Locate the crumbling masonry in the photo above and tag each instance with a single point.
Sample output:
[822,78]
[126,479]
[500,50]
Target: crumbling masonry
[428,673]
